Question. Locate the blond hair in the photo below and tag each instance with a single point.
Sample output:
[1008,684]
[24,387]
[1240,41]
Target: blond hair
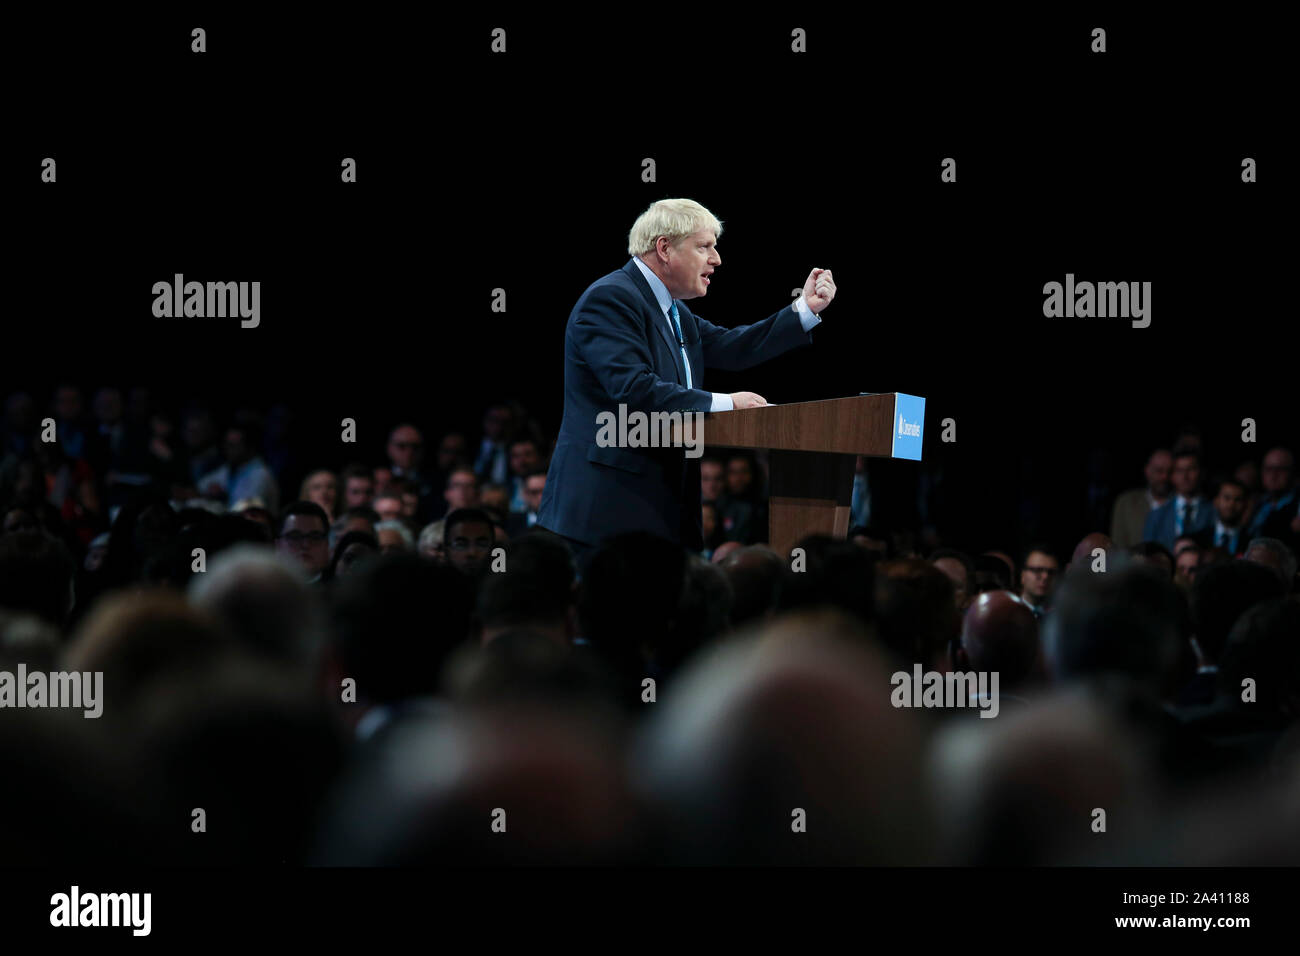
[674,218]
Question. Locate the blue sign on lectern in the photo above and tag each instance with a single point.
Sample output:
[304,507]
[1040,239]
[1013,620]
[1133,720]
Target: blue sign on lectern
[909,426]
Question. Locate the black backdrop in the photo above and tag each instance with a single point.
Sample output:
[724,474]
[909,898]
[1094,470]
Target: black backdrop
[523,171]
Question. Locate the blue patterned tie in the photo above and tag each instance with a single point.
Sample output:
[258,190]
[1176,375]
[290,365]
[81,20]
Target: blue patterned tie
[681,342]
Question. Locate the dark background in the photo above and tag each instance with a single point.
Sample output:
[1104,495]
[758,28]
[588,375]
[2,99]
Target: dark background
[523,172]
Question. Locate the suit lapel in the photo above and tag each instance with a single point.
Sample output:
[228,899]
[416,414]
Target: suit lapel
[657,318]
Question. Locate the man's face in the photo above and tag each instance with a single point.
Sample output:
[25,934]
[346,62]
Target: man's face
[469,546]
[389,509]
[1185,568]
[1187,475]
[305,539]
[1039,576]
[1275,476]
[451,448]
[710,480]
[382,476]
[739,476]
[324,490]
[1230,503]
[534,485]
[404,448]
[1157,473]
[687,263]
[462,490]
[358,491]
[524,457]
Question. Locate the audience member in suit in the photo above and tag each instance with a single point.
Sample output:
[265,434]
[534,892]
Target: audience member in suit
[1277,516]
[525,459]
[1186,564]
[406,460]
[1040,573]
[1132,507]
[1228,530]
[734,518]
[744,502]
[534,484]
[356,486]
[453,453]
[462,490]
[1188,512]
[493,461]
[1248,474]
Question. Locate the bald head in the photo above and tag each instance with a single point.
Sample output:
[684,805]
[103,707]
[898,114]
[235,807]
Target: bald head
[999,634]
[1083,550]
[725,550]
[1159,465]
[1278,471]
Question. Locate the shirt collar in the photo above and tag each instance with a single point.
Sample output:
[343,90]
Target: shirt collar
[656,285]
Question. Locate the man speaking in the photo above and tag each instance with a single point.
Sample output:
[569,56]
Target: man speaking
[632,341]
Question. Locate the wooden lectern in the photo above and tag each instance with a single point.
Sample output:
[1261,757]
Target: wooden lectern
[813,448]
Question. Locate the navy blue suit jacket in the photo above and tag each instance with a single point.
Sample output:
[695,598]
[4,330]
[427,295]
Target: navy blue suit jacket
[1161,522]
[619,349]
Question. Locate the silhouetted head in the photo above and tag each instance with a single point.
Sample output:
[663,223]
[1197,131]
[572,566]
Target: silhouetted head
[999,634]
